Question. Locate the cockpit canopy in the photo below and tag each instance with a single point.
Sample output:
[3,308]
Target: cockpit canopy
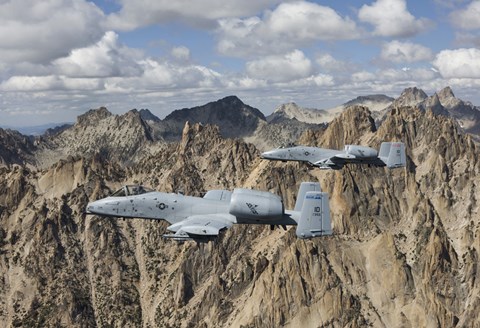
[131,190]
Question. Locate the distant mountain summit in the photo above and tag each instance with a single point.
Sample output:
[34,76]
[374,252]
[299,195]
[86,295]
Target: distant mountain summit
[410,97]
[467,115]
[443,103]
[433,103]
[147,115]
[230,114]
[291,110]
[93,115]
[98,132]
[373,102]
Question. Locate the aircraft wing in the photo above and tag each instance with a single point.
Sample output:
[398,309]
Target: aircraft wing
[334,162]
[200,227]
[337,161]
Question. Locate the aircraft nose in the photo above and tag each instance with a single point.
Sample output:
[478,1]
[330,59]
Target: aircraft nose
[90,207]
[276,154]
[266,155]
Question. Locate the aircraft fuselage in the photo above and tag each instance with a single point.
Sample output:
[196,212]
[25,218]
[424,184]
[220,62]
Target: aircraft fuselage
[175,208]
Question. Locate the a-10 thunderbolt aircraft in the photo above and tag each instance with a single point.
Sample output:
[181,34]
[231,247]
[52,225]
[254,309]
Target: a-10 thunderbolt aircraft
[203,219]
[391,155]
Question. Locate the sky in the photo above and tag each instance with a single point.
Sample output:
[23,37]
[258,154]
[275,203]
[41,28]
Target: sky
[60,58]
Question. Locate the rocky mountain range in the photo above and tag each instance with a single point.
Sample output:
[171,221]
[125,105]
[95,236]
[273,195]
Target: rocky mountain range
[443,102]
[405,249]
[289,111]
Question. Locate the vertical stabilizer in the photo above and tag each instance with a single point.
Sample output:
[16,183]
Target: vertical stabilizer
[393,154]
[304,187]
[315,216]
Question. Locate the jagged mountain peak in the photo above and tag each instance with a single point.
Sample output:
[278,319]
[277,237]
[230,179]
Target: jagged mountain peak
[292,111]
[234,118]
[435,98]
[93,115]
[446,93]
[347,128]
[98,132]
[230,105]
[433,103]
[231,100]
[292,108]
[355,116]
[147,115]
[410,97]
[286,106]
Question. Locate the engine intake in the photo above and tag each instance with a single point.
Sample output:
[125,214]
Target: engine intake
[254,204]
[360,151]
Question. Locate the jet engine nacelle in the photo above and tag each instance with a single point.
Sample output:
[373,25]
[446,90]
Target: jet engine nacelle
[360,151]
[254,204]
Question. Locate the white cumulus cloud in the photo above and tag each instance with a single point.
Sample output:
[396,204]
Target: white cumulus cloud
[391,18]
[309,21]
[181,53]
[103,59]
[405,52]
[138,13]
[467,18]
[280,68]
[329,64]
[290,25]
[40,31]
[412,76]
[458,63]
[49,83]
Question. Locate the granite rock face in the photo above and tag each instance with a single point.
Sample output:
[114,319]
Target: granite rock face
[405,249]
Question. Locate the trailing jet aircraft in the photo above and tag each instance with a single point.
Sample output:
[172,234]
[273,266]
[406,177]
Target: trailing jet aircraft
[392,155]
[202,219]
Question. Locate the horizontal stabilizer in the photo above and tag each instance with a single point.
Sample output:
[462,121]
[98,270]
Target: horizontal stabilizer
[315,216]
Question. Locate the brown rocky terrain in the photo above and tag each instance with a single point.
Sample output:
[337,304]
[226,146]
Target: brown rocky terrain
[405,249]
[15,148]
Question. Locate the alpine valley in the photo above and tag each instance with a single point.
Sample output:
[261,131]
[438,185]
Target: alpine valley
[405,250]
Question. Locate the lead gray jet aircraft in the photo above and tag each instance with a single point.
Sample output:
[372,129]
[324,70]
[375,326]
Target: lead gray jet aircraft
[392,155]
[202,219]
